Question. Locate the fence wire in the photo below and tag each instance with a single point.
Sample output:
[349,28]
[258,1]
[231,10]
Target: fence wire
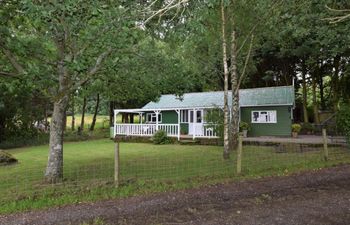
[171,163]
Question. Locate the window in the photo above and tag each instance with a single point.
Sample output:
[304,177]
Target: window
[195,117]
[152,118]
[264,116]
[184,116]
[199,116]
[191,116]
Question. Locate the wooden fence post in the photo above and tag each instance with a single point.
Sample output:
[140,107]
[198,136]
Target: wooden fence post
[325,144]
[116,164]
[239,154]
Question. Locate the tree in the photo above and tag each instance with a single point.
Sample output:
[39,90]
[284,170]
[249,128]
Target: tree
[74,39]
[92,127]
[226,153]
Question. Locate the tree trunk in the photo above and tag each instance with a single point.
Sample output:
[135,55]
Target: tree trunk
[226,153]
[126,117]
[73,114]
[95,113]
[335,82]
[314,100]
[65,120]
[46,119]
[2,129]
[54,169]
[234,131]
[111,114]
[321,87]
[82,122]
[303,73]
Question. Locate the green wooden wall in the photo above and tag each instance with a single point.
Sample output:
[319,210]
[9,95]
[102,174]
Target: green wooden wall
[281,128]
[171,117]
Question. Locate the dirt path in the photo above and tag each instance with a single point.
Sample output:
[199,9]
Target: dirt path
[320,197]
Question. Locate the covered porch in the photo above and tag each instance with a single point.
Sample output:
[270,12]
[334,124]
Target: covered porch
[178,123]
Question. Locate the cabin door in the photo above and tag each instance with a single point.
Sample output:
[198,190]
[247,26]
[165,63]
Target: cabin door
[195,123]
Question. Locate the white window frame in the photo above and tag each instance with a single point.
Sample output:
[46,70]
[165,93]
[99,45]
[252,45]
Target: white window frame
[271,115]
[154,116]
[199,118]
[184,116]
[193,116]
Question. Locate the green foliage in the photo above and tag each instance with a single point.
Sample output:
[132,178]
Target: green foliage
[343,120]
[296,127]
[215,120]
[16,142]
[244,126]
[307,128]
[21,105]
[161,138]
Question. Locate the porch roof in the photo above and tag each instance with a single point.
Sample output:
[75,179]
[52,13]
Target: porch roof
[270,96]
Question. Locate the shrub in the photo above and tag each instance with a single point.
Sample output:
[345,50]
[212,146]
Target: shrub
[161,138]
[6,158]
[20,141]
[296,127]
[343,120]
[307,128]
[244,126]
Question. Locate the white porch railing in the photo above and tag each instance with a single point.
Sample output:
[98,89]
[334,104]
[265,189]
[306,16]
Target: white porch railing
[172,130]
[205,130]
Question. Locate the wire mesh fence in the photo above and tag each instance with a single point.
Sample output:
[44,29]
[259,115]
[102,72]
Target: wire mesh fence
[166,163]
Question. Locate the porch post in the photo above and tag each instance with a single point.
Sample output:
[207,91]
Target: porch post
[140,121]
[194,122]
[157,113]
[115,123]
[178,124]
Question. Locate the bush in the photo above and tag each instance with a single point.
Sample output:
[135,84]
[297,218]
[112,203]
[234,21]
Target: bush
[20,141]
[244,126]
[6,158]
[343,120]
[296,127]
[307,128]
[161,138]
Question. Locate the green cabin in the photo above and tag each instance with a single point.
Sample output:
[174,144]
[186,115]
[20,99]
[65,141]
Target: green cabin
[268,111]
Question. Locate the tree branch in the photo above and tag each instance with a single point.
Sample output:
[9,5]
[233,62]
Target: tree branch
[274,5]
[11,57]
[171,5]
[95,68]
[7,74]
[245,64]
[337,10]
[338,19]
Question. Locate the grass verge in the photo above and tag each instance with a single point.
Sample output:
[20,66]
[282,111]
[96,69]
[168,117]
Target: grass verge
[145,168]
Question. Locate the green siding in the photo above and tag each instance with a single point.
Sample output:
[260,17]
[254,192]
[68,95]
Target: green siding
[184,128]
[171,117]
[281,128]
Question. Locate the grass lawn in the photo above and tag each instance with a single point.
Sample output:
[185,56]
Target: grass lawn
[145,168]
[101,121]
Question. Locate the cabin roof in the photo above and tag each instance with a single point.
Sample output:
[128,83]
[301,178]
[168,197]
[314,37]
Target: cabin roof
[268,96]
